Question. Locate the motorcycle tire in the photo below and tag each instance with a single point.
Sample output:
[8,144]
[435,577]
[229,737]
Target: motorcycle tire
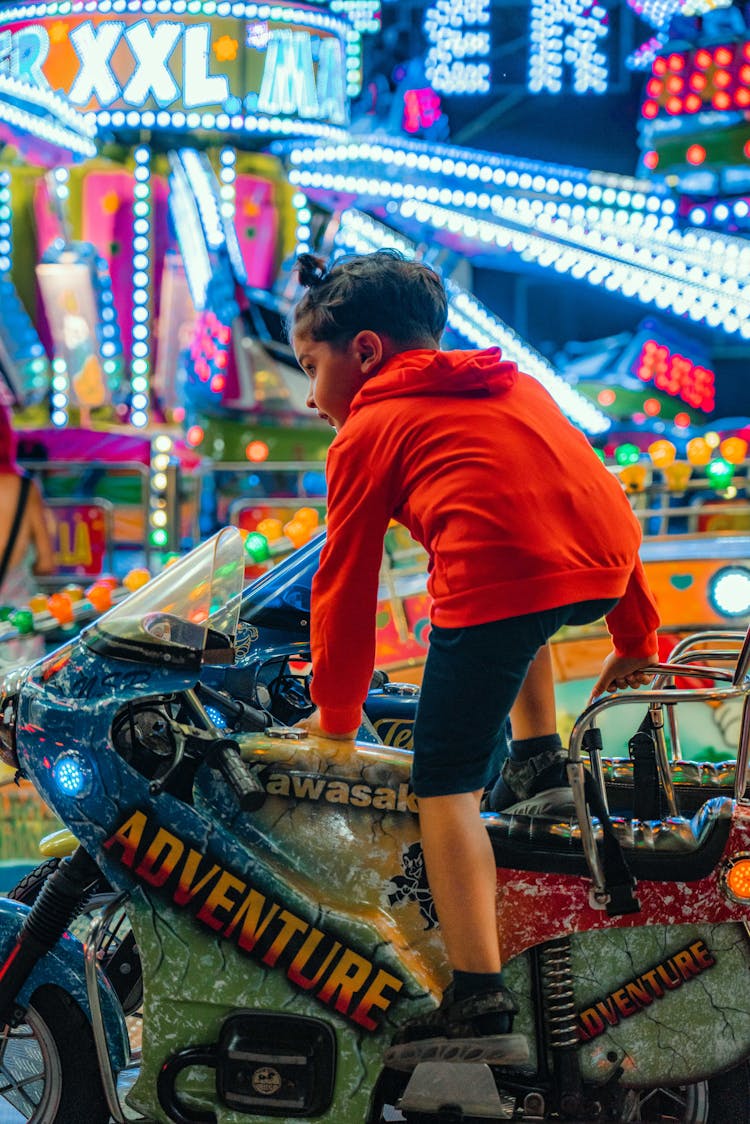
[729,1096]
[30,886]
[129,988]
[718,1100]
[50,1068]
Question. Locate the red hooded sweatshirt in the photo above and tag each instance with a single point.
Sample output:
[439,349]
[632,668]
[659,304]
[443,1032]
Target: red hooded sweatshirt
[513,506]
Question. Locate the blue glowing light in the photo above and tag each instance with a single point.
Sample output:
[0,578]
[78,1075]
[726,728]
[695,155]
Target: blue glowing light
[71,774]
[216,717]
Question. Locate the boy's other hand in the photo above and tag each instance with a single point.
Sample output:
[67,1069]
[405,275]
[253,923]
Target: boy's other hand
[623,671]
[312,725]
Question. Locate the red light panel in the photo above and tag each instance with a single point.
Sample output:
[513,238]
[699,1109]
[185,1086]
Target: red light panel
[675,375]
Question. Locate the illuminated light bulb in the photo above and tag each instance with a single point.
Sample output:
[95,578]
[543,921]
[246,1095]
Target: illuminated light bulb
[712,439]
[633,477]
[677,475]
[194,435]
[719,473]
[297,532]
[627,454]
[271,528]
[256,547]
[662,453]
[136,578]
[698,451]
[257,451]
[737,881]
[61,608]
[733,449]
[100,596]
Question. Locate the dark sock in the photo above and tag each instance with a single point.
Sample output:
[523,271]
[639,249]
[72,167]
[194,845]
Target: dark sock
[525,748]
[521,751]
[466,984]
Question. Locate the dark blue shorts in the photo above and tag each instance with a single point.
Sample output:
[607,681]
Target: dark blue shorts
[471,679]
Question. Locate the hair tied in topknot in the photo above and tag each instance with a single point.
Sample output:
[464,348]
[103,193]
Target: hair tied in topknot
[311,270]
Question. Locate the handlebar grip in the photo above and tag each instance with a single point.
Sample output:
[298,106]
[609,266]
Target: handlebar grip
[225,756]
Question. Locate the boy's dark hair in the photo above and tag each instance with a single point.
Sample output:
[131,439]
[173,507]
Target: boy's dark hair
[382,292]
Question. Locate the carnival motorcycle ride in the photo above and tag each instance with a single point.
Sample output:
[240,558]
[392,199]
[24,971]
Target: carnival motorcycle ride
[285,932]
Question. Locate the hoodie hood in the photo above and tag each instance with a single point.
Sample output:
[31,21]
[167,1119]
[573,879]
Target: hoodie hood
[467,374]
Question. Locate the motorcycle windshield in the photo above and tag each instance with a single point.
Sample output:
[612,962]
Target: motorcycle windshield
[280,599]
[185,616]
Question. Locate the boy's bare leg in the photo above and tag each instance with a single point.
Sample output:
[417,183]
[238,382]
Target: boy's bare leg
[462,876]
[533,713]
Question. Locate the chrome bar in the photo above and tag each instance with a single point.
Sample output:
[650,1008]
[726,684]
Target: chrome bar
[656,712]
[681,654]
[667,697]
[588,839]
[743,663]
[90,950]
[674,733]
[651,698]
[740,777]
[695,638]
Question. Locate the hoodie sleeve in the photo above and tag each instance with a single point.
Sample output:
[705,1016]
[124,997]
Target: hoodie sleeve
[634,620]
[345,587]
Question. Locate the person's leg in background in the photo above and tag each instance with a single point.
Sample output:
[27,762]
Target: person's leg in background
[536,758]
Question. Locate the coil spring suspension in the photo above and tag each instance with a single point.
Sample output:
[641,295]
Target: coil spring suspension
[557,982]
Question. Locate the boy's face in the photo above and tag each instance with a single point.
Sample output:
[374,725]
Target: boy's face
[336,372]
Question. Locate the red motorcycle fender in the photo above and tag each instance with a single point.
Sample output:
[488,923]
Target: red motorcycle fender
[64,967]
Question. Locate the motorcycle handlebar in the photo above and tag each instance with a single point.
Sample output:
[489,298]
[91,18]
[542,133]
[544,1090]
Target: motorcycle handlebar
[225,756]
[250,715]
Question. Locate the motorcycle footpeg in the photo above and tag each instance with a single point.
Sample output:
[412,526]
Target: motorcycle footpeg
[497,1049]
[453,1091]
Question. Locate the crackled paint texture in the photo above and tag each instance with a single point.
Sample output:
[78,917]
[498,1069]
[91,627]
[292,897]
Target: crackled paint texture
[699,1028]
[328,843]
[327,862]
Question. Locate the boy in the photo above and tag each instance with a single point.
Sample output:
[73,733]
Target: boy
[526,531]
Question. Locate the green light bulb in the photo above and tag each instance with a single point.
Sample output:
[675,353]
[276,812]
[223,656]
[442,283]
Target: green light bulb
[719,473]
[627,454]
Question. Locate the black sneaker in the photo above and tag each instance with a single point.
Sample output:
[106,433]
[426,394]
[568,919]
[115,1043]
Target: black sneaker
[536,787]
[489,1013]
[476,1029]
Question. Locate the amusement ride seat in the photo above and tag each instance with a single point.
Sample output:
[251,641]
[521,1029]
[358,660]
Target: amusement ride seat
[669,846]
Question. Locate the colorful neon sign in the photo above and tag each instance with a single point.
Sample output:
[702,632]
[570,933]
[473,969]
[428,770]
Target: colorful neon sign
[174,68]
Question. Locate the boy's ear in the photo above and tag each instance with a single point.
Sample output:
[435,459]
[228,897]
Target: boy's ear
[369,350]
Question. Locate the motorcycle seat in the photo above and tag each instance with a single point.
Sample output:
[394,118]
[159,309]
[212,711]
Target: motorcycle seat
[675,849]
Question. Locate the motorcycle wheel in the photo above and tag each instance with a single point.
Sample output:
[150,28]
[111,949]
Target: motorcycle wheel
[129,990]
[717,1101]
[48,1065]
[30,886]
